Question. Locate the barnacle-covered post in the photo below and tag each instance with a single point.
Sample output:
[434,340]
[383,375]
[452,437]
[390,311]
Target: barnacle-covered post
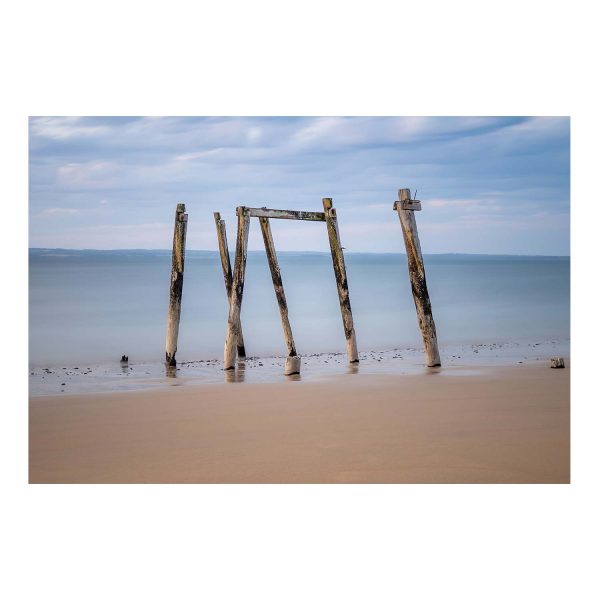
[292,361]
[416,270]
[237,288]
[339,268]
[228,276]
[176,290]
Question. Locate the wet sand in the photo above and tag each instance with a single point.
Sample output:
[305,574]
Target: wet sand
[134,375]
[488,425]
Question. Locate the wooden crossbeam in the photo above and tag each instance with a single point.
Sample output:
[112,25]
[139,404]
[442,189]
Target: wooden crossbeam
[272,213]
[407,205]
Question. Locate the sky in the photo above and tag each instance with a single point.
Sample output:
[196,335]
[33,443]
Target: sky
[491,185]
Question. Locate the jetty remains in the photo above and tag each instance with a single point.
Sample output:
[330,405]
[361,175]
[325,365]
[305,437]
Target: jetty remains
[234,335]
[234,278]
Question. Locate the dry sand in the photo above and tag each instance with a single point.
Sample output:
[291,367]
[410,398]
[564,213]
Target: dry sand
[497,425]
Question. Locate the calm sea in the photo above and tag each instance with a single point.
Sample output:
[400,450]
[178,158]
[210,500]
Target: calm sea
[88,307]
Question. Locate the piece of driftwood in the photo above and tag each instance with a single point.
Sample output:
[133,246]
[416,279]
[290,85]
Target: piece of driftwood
[339,268]
[557,363]
[176,290]
[237,289]
[294,366]
[228,276]
[416,271]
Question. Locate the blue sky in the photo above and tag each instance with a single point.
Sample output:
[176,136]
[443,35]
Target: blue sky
[496,185]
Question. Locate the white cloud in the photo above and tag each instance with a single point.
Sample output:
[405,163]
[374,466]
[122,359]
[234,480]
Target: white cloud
[58,211]
[60,128]
[199,155]
[96,174]
[254,135]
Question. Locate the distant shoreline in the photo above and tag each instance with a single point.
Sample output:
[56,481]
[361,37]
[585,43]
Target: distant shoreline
[36,250]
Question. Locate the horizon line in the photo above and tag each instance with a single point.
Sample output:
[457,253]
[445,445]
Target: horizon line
[299,251]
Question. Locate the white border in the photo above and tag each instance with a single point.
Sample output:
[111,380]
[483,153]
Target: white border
[261,58]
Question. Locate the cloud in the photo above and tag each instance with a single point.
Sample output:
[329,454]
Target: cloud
[58,211]
[60,128]
[465,169]
[94,175]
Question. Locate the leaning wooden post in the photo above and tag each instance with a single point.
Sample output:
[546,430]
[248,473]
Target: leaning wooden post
[339,268]
[292,362]
[416,270]
[177,263]
[227,275]
[237,288]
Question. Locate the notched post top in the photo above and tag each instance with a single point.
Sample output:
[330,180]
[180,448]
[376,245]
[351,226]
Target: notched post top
[217,216]
[180,214]
[404,202]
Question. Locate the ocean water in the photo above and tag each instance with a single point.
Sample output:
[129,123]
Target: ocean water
[89,307]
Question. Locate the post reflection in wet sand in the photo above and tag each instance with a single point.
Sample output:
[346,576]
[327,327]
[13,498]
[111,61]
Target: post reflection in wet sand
[433,370]
[236,375]
[352,368]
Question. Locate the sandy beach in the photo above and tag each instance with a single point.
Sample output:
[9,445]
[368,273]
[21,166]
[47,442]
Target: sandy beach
[486,425]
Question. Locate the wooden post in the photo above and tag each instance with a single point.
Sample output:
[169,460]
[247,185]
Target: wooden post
[416,271]
[237,288]
[227,275]
[339,269]
[177,263]
[292,365]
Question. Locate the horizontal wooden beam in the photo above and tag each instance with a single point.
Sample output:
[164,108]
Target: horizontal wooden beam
[407,205]
[272,213]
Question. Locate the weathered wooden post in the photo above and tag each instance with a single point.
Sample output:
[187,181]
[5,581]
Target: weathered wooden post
[228,276]
[237,288]
[416,270]
[339,268]
[177,264]
[292,362]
